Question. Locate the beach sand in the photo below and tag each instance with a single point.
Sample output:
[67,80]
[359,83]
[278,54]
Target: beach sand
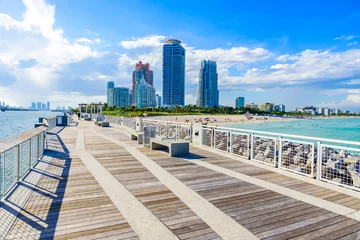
[219,119]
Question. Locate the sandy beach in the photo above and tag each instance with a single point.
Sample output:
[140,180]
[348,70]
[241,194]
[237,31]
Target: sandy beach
[219,119]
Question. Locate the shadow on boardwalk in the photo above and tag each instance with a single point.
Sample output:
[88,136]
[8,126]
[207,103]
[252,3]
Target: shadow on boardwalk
[31,209]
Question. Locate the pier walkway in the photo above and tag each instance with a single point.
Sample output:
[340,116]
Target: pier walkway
[95,183]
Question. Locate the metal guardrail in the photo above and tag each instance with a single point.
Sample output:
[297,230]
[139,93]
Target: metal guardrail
[50,122]
[129,122]
[168,129]
[331,160]
[18,154]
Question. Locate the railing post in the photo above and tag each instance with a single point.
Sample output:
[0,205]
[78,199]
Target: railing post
[29,163]
[16,161]
[3,167]
[280,152]
[319,161]
[214,138]
[252,146]
[231,141]
[38,147]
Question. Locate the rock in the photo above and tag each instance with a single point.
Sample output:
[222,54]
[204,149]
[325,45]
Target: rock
[354,175]
[337,180]
[269,160]
[299,159]
[351,160]
[260,157]
[339,164]
[342,153]
[301,169]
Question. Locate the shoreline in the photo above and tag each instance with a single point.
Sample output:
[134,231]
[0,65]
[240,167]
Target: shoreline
[237,119]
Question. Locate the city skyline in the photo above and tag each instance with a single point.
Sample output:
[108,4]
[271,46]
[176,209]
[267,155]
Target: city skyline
[299,57]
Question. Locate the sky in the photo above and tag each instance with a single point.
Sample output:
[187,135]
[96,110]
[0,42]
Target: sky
[296,53]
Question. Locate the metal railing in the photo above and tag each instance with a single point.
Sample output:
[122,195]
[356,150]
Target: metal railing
[168,129]
[330,160]
[50,122]
[129,122]
[18,154]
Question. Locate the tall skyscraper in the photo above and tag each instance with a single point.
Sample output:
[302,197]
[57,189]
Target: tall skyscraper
[141,70]
[208,93]
[239,102]
[33,105]
[110,93]
[48,106]
[121,97]
[173,73]
[158,100]
[38,106]
[144,94]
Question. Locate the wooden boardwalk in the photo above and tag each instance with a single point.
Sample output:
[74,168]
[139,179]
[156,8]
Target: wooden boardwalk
[60,197]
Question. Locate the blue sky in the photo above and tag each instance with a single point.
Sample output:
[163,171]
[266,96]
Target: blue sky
[295,53]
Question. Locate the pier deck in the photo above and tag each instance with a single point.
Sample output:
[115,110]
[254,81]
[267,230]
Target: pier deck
[95,183]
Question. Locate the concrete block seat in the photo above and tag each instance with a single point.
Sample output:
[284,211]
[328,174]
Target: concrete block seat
[139,136]
[102,124]
[176,147]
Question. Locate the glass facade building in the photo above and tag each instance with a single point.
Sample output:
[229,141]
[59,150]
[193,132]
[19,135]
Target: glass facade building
[144,94]
[141,70]
[110,94]
[121,97]
[239,102]
[173,73]
[208,93]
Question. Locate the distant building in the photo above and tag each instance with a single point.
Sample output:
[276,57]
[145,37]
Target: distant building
[173,73]
[239,102]
[121,97]
[110,93]
[48,106]
[158,100]
[69,108]
[145,95]
[38,106]
[208,93]
[33,105]
[279,108]
[43,106]
[327,112]
[130,97]
[320,111]
[268,107]
[141,70]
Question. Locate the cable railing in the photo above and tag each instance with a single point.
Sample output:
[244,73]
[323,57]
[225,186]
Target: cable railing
[330,160]
[18,154]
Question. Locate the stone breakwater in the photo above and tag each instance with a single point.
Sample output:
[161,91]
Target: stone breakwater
[341,166]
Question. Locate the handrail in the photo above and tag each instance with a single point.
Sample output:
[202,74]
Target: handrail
[286,135]
[164,121]
[18,154]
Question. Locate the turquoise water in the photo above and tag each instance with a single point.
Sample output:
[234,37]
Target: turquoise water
[333,128]
[16,122]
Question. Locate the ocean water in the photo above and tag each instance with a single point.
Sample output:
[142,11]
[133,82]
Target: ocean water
[16,122]
[333,128]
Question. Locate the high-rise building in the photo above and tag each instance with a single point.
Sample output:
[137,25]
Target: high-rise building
[130,97]
[141,70]
[144,94]
[269,107]
[279,108]
[110,93]
[173,73]
[208,93]
[158,100]
[43,106]
[48,106]
[38,106]
[33,105]
[121,97]
[239,102]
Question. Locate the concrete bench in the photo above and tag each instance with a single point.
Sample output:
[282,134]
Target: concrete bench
[176,147]
[139,136]
[102,124]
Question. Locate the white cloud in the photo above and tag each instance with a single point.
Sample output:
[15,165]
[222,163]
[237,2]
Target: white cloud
[346,38]
[353,81]
[352,43]
[83,40]
[149,41]
[97,76]
[311,66]
[34,37]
